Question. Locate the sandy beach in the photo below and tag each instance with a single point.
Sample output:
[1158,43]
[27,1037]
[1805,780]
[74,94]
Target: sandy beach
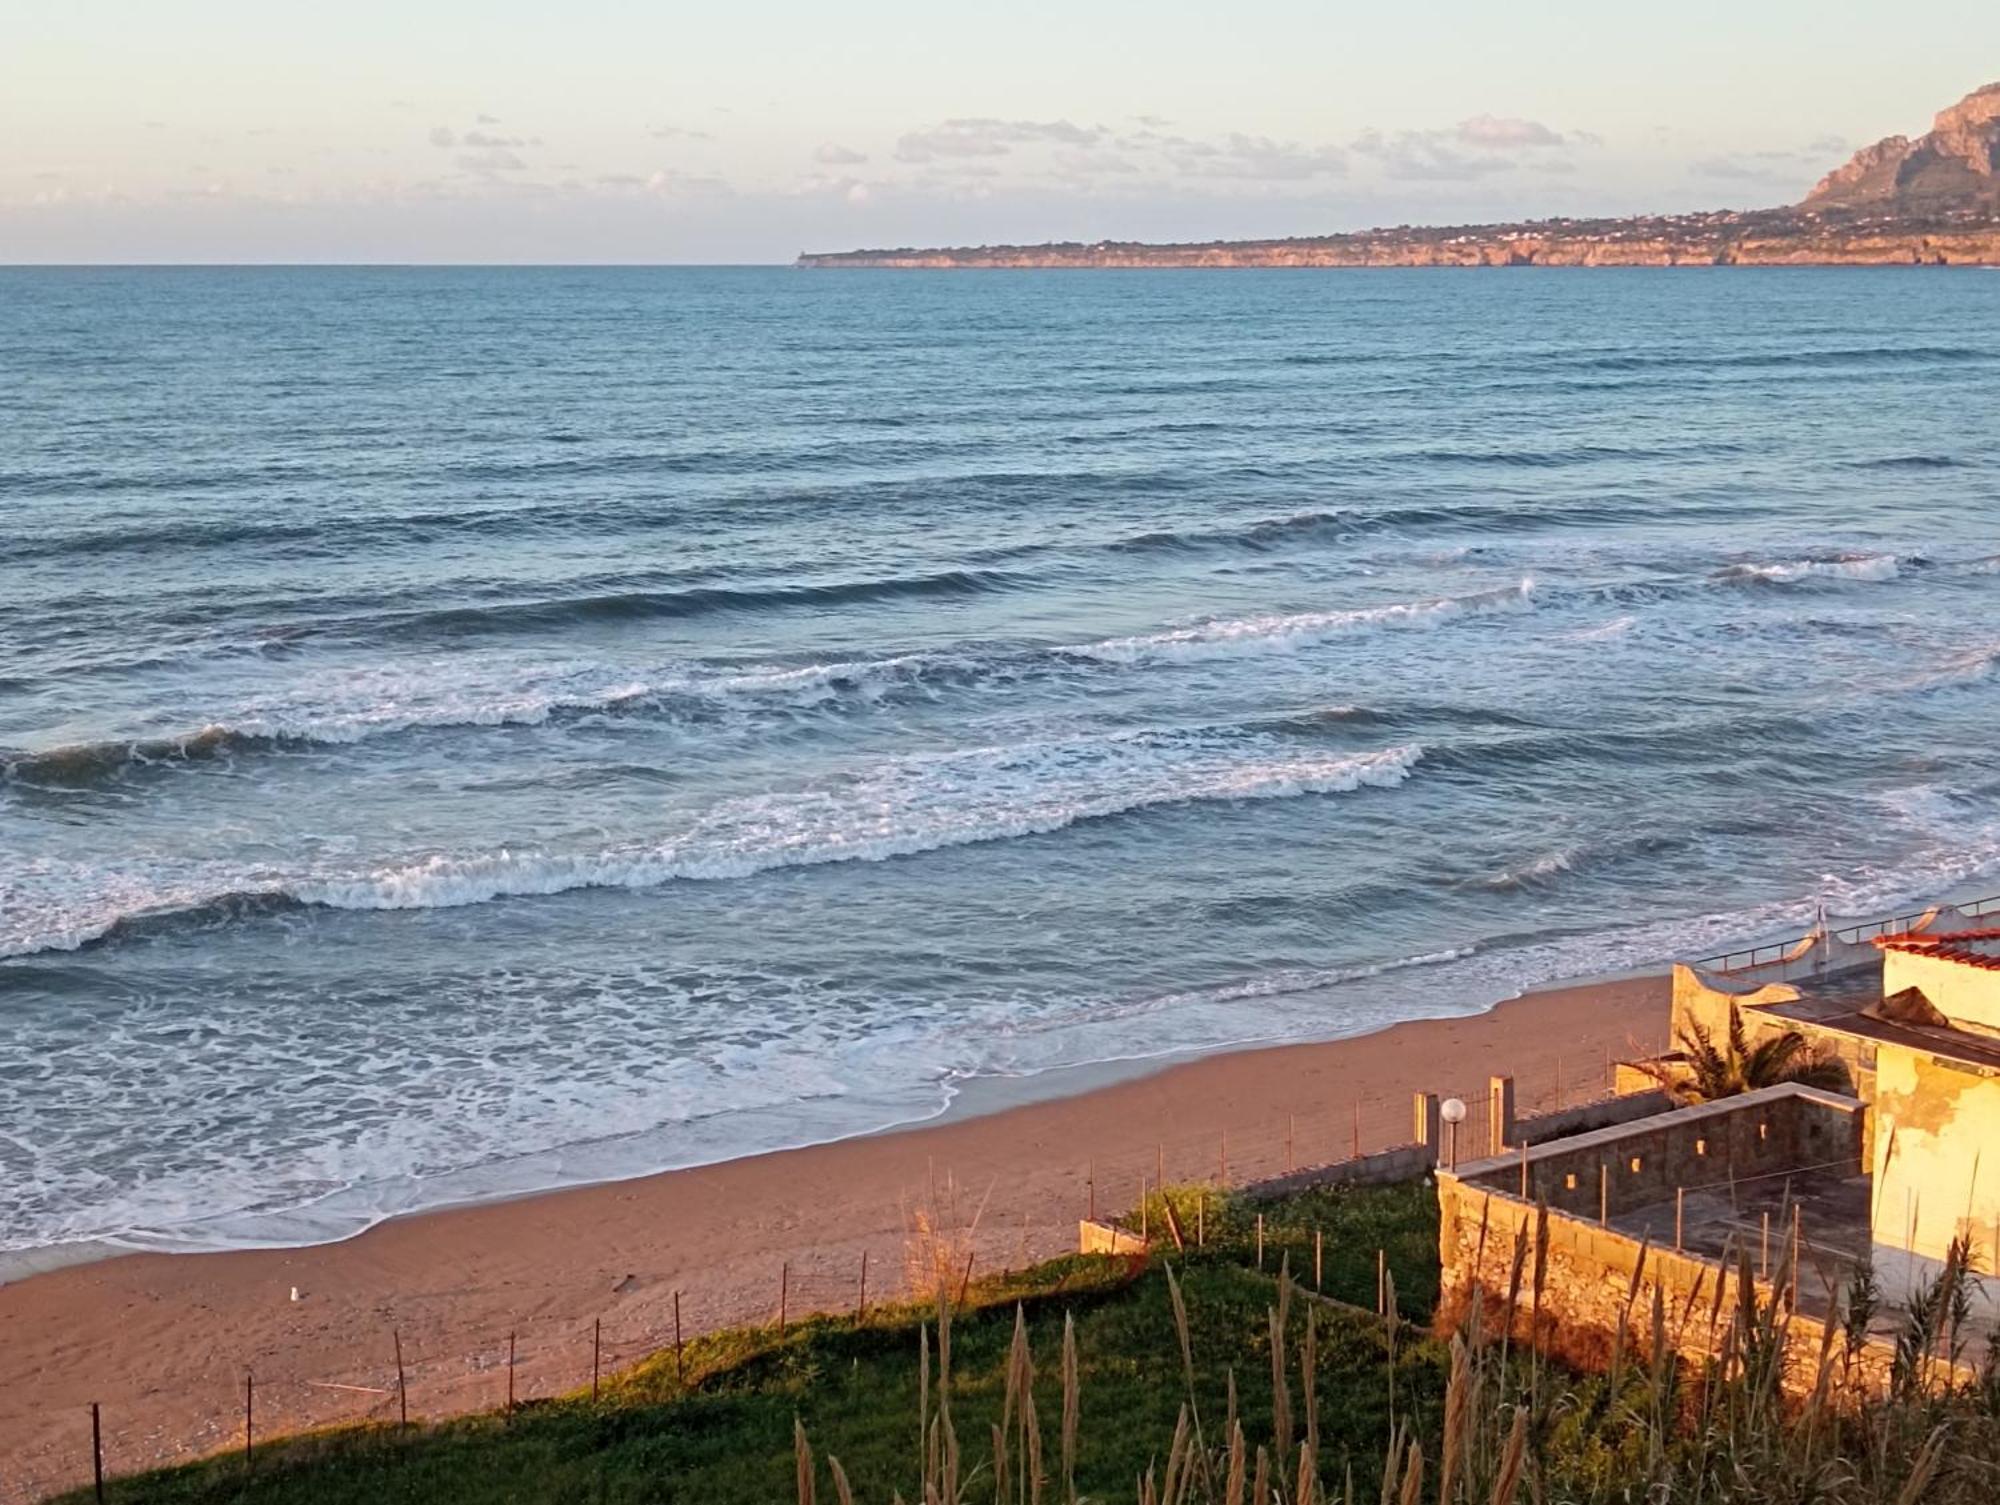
[162,1342]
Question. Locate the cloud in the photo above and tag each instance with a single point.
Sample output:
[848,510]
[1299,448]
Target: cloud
[1153,122]
[1428,156]
[443,135]
[832,155]
[1826,146]
[1491,131]
[984,137]
[496,143]
[491,160]
[670,183]
[1748,167]
[679,133]
[486,120]
[1260,158]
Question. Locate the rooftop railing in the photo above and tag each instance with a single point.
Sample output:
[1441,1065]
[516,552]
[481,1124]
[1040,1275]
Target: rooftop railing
[1854,935]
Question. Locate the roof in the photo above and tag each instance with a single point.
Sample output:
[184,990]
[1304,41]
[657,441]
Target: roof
[1962,946]
[1979,1051]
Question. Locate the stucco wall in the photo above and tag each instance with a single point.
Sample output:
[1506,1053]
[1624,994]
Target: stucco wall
[1966,995]
[1937,1158]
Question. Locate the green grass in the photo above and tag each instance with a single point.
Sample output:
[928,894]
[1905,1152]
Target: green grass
[726,1435]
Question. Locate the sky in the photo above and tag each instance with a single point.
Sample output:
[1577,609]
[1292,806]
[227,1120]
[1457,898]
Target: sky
[599,131]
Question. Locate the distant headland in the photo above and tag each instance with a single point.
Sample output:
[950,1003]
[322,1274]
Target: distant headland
[1931,201]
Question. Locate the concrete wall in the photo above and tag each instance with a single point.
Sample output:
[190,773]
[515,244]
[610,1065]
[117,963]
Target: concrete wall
[1646,1102]
[1968,996]
[1641,1164]
[1936,1164]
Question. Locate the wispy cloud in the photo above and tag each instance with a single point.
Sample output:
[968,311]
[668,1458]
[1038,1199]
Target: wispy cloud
[678,133]
[983,137]
[491,160]
[833,155]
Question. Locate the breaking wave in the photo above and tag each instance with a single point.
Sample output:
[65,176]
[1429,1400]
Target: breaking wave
[1857,567]
[899,808]
[1236,636]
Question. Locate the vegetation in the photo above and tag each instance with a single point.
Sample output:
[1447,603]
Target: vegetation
[1201,1379]
[720,1431]
[1712,1071]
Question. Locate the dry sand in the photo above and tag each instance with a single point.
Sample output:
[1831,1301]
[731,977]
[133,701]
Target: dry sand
[162,1341]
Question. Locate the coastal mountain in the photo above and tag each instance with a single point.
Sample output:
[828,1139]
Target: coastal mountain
[1934,200]
[1956,167]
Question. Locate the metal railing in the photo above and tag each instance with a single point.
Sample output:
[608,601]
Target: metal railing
[1853,935]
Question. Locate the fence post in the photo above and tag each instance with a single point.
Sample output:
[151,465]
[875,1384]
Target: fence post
[1499,1114]
[249,1415]
[784,1293]
[1317,1252]
[402,1386]
[861,1301]
[510,1374]
[596,1354]
[680,1369]
[1524,1170]
[97,1451]
[1260,1240]
[965,1285]
[1603,1193]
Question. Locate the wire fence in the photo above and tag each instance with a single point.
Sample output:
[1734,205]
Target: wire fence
[410,1378]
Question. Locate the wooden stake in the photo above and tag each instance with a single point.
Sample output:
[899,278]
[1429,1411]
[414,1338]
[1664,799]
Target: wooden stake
[1381,1283]
[249,1414]
[97,1451]
[965,1284]
[596,1354]
[1603,1193]
[784,1293]
[510,1374]
[1797,1232]
[402,1386]
[1524,1170]
[861,1301]
[1260,1240]
[1317,1252]
[1764,1255]
[1145,1231]
[680,1369]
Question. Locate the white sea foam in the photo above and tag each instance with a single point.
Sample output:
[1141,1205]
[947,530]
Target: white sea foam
[908,806]
[1285,633]
[1874,568]
[898,808]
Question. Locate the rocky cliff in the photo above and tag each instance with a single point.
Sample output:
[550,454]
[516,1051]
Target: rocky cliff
[1932,201]
[1955,168]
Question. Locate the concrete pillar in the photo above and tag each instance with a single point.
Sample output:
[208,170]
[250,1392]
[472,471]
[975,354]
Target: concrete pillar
[1429,1126]
[1499,1114]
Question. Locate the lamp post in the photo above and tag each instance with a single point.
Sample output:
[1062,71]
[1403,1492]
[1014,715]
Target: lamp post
[1452,1111]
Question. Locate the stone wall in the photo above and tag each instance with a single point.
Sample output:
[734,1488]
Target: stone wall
[1580,1284]
[1640,1164]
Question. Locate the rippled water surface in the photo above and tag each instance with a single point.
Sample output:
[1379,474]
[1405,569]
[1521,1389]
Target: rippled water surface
[478,729]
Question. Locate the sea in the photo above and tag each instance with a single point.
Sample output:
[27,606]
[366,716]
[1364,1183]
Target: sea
[473,730]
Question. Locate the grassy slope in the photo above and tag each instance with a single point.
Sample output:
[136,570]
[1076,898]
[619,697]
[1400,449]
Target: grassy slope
[726,1437]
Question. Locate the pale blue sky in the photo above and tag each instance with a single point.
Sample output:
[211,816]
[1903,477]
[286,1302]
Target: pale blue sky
[444,130]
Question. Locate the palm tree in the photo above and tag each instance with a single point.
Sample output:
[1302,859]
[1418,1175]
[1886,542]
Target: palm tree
[1714,1070]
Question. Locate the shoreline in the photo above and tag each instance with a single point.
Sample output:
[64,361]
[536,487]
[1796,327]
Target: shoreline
[161,1340]
[969,1096]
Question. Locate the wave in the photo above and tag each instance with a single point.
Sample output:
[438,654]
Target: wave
[637,605]
[1909,462]
[899,808]
[1235,636]
[1845,567]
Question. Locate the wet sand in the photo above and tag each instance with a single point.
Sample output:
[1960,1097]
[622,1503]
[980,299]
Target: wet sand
[162,1341]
